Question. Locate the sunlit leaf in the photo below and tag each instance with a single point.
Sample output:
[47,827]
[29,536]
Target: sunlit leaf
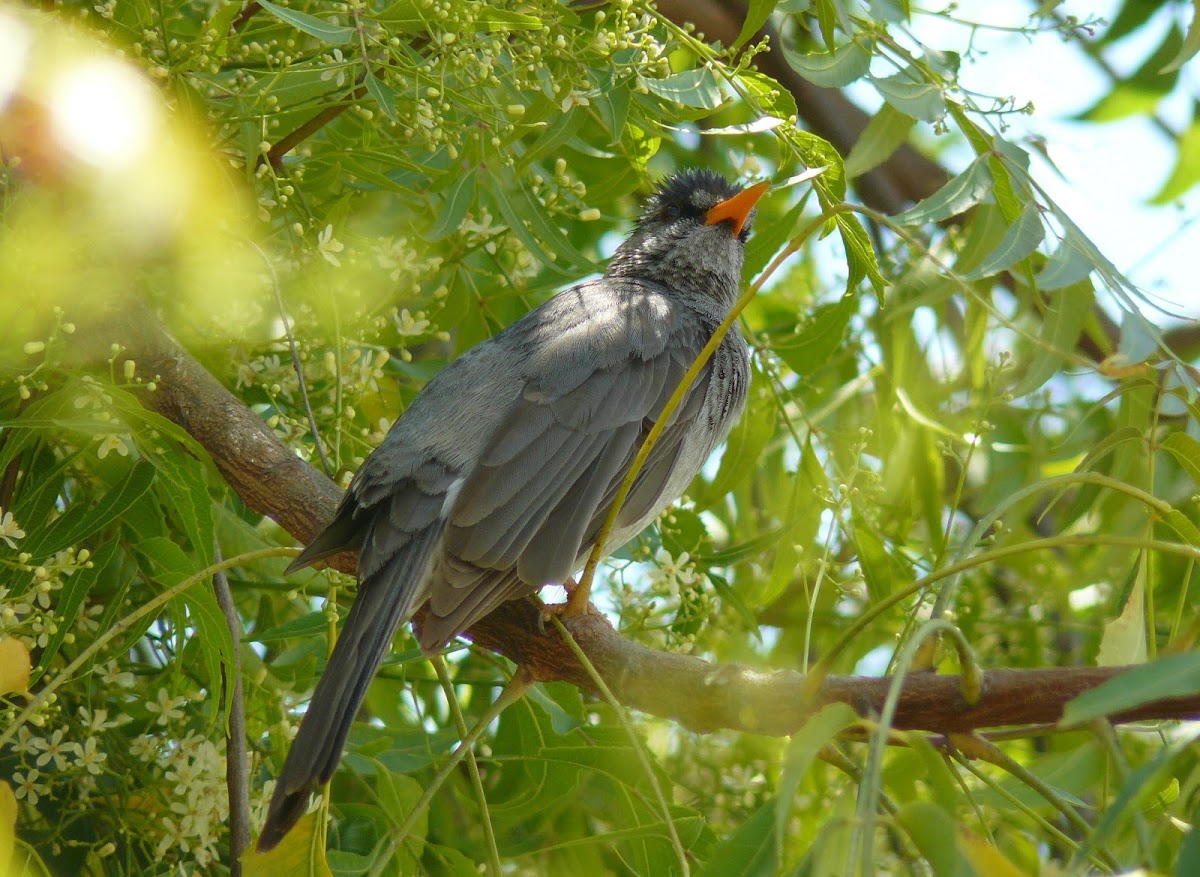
[819,337]
[1186,172]
[296,854]
[935,833]
[1022,239]
[1186,451]
[751,851]
[333,34]
[959,194]
[1068,264]
[912,94]
[1124,638]
[692,88]
[1066,314]
[830,69]
[757,13]
[1172,676]
[884,134]
[802,750]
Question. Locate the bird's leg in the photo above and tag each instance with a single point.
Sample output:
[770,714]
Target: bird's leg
[578,603]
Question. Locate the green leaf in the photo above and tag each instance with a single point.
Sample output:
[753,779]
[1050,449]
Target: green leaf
[747,550]
[935,834]
[1188,862]
[1186,451]
[1138,93]
[1066,315]
[884,134]
[912,94]
[334,34]
[860,255]
[562,703]
[544,239]
[698,88]
[454,210]
[772,97]
[958,195]
[1019,242]
[383,95]
[491,17]
[1139,338]
[73,529]
[165,562]
[835,69]
[818,337]
[882,569]
[1186,172]
[757,13]
[1191,43]
[403,16]
[1140,783]
[1183,527]
[769,238]
[1173,676]
[732,597]
[1067,265]
[180,487]
[802,751]
[751,851]
[308,625]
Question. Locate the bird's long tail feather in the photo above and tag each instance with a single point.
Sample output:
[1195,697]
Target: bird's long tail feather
[385,600]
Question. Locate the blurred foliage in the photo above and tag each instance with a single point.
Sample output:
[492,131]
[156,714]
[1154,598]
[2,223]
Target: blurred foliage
[384,185]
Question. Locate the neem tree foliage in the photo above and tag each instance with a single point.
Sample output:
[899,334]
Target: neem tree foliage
[238,239]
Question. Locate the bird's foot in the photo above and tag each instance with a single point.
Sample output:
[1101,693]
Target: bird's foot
[577,603]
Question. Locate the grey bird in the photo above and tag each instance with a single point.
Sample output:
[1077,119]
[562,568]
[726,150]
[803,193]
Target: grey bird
[498,477]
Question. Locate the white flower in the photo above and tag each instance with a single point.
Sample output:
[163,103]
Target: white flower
[572,100]
[9,531]
[337,73]
[328,246]
[114,442]
[407,324]
[113,675]
[26,785]
[54,750]
[96,721]
[166,706]
[89,757]
[672,573]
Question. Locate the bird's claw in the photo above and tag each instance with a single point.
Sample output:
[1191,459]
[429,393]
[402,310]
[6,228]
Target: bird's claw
[576,604]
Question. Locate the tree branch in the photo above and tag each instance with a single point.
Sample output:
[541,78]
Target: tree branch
[700,695]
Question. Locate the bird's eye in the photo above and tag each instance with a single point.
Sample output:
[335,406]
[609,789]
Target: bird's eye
[671,212]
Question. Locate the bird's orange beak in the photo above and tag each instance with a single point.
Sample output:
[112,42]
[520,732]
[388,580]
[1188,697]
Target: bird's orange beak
[737,208]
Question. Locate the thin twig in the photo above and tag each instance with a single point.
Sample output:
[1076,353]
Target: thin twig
[290,141]
[287,328]
[460,725]
[643,759]
[514,691]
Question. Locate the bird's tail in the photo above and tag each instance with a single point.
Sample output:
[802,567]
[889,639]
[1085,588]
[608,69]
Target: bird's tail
[386,599]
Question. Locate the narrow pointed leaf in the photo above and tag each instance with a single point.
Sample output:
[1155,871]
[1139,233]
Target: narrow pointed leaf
[1019,242]
[958,195]
[334,34]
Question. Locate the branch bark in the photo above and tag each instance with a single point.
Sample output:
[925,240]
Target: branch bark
[698,694]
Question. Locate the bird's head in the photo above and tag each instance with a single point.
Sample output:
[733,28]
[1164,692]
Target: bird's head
[691,235]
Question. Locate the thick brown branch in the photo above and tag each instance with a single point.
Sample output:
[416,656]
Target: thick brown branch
[698,694]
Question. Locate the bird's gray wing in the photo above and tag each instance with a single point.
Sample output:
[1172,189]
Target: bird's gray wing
[535,501]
